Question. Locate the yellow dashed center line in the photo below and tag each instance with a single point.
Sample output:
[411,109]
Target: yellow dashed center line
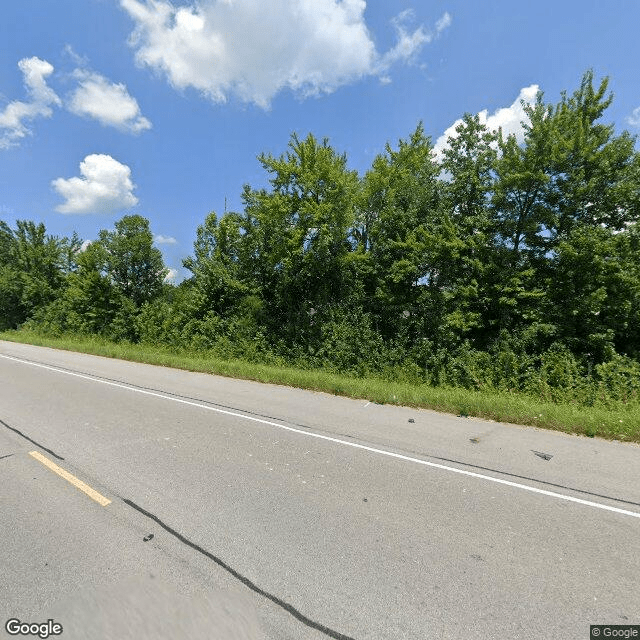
[92,493]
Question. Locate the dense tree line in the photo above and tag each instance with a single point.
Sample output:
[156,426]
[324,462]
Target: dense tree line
[492,264]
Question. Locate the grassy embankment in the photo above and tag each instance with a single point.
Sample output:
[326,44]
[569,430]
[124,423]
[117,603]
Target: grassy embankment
[619,422]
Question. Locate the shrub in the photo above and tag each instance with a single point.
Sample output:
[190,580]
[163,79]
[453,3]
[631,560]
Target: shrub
[619,379]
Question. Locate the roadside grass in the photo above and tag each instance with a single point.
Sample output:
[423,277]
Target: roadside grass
[619,422]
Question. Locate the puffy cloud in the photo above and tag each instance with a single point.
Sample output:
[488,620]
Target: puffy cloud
[509,119]
[107,102]
[41,98]
[94,96]
[105,187]
[171,276]
[634,118]
[254,49]
[160,239]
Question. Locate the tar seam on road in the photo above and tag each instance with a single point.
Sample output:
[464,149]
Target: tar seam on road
[7,456]
[546,482]
[167,393]
[55,455]
[221,563]
[355,445]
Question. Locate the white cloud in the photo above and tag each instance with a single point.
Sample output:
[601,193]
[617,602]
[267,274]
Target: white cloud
[105,187]
[509,119]
[408,44]
[253,49]
[443,23]
[107,102]
[160,239]
[634,118]
[171,275]
[76,57]
[41,98]
[94,96]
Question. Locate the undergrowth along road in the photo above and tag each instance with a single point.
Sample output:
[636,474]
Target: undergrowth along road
[619,422]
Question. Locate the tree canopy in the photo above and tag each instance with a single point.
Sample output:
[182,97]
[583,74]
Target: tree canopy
[478,264]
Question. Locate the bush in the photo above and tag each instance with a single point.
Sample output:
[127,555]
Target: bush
[349,344]
[124,326]
[469,369]
[618,379]
[55,320]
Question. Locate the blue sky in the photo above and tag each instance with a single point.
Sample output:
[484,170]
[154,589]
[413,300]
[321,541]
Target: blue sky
[110,107]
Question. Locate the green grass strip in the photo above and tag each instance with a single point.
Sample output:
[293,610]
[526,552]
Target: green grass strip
[619,423]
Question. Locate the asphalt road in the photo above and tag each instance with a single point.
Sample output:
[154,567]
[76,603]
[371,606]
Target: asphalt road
[197,506]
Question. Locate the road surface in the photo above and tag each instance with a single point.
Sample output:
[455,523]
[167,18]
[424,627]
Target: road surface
[140,501]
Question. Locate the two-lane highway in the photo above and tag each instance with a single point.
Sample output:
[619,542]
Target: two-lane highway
[282,513]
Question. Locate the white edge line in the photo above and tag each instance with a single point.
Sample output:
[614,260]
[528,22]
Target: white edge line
[354,445]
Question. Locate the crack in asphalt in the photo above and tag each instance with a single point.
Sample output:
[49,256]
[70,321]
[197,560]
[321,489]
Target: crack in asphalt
[221,563]
[55,455]
[168,393]
[545,482]
[244,580]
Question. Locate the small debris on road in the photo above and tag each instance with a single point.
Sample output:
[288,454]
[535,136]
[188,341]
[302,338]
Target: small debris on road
[411,420]
[148,537]
[544,456]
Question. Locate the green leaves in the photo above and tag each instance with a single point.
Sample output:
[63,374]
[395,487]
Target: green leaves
[504,262]
[32,269]
[296,235]
[593,174]
[130,260]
